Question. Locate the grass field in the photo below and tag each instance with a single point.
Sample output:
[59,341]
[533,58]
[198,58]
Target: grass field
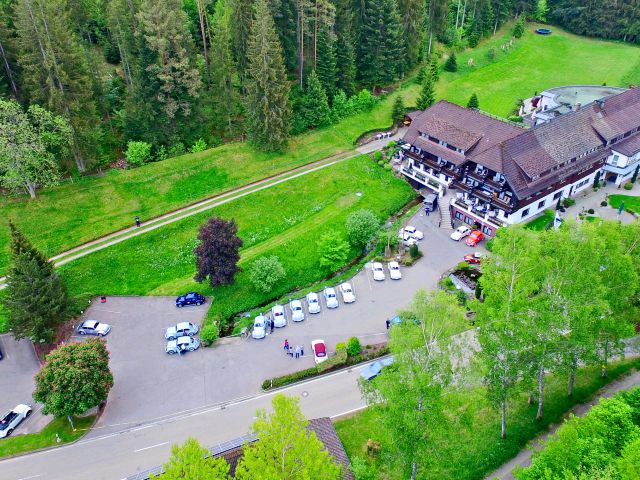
[286,220]
[535,63]
[540,223]
[630,203]
[470,446]
[47,437]
[79,211]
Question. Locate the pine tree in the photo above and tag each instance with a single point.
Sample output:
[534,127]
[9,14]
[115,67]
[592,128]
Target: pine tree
[8,64]
[55,73]
[36,298]
[412,14]
[473,102]
[314,110]
[398,111]
[242,14]
[268,109]
[518,29]
[326,64]
[170,81]
[345,48]
[284,14]
[121,21]
[433,68]
[427,94]
[451,65]
[381,54]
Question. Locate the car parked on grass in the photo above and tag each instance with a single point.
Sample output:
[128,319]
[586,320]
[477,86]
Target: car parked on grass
[260,326]
[297,312]
[319,349]
[182,345]
[330,297]
[372,370]
[347,293]
[475,238]
[313,302]
[473,258]
[460,232]
[378,272]
[93,327]
[394,271]
[278,316]
[182,329]
[12,419]
[191,298]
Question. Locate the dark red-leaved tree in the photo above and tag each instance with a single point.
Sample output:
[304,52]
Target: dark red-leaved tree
[217,254]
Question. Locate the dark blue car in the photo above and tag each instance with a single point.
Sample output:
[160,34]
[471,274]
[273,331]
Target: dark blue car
[191,298]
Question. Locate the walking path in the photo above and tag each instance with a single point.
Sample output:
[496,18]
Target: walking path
[209,203]
[523,459]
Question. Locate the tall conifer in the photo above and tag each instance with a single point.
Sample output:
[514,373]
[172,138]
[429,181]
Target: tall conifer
[326,65]
[427,95]
[345,48]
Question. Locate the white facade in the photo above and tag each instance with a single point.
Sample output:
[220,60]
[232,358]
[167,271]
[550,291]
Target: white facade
[619,168]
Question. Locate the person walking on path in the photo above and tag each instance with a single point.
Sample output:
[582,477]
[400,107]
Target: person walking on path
[388,322]
[137,221]
[286,345]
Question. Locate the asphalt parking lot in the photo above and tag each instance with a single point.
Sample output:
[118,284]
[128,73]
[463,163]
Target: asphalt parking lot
[150,385]
[17,371]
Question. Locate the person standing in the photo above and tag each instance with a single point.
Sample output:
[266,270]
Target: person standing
[271,322]
[297,352]
[302,350]
[137,221]
[388,323]
[286,346]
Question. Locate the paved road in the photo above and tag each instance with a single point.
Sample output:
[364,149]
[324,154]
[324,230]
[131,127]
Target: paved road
[17,371]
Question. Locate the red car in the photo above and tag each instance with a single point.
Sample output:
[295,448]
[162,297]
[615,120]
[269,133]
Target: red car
[475,238]
[473,258]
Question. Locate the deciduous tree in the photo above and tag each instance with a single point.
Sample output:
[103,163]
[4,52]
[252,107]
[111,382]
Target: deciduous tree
[362,226]
[192,461]
[217,255]
[266,272]
[333,251]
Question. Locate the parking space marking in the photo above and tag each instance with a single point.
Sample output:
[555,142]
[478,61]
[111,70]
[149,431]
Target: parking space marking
[152,446]
[27,478]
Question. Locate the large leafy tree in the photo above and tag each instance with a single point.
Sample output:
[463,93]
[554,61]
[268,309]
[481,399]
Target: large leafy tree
[192,461]
[267,99]
[286,448]
[362,225]
[30,143]
[74,378]
[55,71]
[217,254]
[36,298]
[411,390]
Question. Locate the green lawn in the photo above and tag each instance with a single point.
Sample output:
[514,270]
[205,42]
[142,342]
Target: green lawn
[535,63]
[286,220]
[630,203]
[79,211]
[540,223]
[47,437]
[470,446]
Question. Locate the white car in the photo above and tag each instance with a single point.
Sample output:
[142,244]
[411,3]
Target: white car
[414,232]
[378,272]
[12,419]
[182,345]
[313,301]
[260,325]
[347,293]
[319,349]
[297,312]
[330,297]
[460,232]
[394,271]
[279,318]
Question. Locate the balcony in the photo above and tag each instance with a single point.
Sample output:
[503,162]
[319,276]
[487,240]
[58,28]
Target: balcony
[476,176]
[487,217]
[493,184]
[463,186]
[503,204]
[481,194]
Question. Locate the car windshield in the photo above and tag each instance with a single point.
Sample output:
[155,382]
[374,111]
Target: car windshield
[297,307]
[90,324]
[331,294]
[313,300]
[277,314]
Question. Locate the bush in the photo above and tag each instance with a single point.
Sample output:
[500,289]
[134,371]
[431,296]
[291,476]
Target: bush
[491,54]
[568,202]
[451,65]
[387,167]
[353,347]
[461,297]
[161,153]
[603,203]
[176,150]
[515,118]
[489,244]
[340,346]
[381,163]
[591,211]
[415,252]
[361,469]
[463,266]
[377,156]
[199,146]
[628,186]
[138,153]
[518,29]
[287,379]
[209,333]
[266,272]
[340,358]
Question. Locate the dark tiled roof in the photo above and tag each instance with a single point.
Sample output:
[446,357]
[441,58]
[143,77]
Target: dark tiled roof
[629,146]
[616,114]
[232,457]
[437,149]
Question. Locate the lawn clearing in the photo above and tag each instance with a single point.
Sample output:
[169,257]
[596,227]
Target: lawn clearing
[540,223]
[286,220]
[535,63]
[18,444]
[87,208]
[471,446]
[630,203]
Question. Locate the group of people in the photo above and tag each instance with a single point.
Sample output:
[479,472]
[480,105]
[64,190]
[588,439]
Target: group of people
[298,351]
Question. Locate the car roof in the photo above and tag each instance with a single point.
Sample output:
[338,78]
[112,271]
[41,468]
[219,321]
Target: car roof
[329,290]
[345,285]
[312,295]
[259,320]
[394,264]
[90,323]
[183,325]
[184,339]
[296,302]
[278,308]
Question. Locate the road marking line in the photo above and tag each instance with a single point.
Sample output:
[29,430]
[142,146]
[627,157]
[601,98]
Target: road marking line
[152,446]
[32,476]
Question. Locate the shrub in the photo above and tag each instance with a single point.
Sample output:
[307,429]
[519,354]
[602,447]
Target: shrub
[473,102]
[340,346]
[287,379]
[463,266]
[340,358]
[414,251]
[387,167]
[603,203]
[461,297]
[568,202]
[489,244]
[451,65]
[635,174]
[176,150]
[362,225]
[515,118]
[138,153]
[491,54]
[381,163]
[628,186]
[363,101]
[518,29]
[591,211]
[199,146]
[353,347]
[361,469]
[209,333]
[161,153]
[266,272]
[377,156]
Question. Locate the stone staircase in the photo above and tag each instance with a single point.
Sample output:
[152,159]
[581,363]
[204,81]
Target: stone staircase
[445,214]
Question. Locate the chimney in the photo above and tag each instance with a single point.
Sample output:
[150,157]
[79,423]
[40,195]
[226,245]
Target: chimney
[600,104]
[576,107]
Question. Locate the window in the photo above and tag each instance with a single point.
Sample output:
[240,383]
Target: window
[525,212]
[614,160]
[541,204]
[557,195]
[459,215]
[487,230]
[468,220]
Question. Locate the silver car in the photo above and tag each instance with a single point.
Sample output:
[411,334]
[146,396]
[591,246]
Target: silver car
[260,325]
[330,297]
[93,327]
[182,329]
[313,302]
[297,312]
[182,345]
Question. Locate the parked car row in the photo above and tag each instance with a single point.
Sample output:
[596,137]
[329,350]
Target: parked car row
[278,318]
[394,271]
[14,418]
[180,338]
[473,237]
